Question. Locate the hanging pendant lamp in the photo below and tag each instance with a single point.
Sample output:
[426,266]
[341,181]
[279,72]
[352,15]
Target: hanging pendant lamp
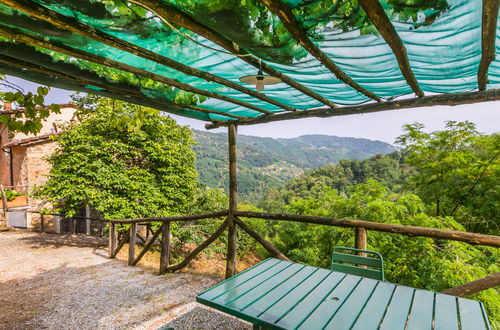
[260,79]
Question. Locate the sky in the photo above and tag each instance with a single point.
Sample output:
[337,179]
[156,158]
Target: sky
[383,126]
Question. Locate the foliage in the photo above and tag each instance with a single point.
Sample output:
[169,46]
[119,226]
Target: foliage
[264,162]
[457,172]
[124,160]
[417,262]
[32,112]
[10,194]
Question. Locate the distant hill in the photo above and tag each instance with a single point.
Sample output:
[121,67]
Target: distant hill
[267,162]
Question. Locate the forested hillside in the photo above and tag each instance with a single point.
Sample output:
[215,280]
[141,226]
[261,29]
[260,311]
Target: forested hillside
[267,162]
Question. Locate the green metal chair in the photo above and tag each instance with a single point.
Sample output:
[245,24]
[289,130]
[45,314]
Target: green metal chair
[353,264]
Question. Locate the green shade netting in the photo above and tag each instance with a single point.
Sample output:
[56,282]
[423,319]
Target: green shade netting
[442,38]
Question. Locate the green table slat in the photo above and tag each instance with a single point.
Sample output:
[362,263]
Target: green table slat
[347,313]
[370,316]
[445,312]
[264,302]
[398,309]
[471,315]
[306,306]
[421,310]
[261,289]
[235,292]
[293,297]
[238,280]
[320,317]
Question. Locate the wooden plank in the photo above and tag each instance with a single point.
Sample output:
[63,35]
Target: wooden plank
[454,235]
[476,286]
[112,240]
[379,18]
[299,312]
[232,240]
[259,300]
[371,315]
[290,299]
[165,246]
[273,277]
[238,280]
[360,240]
[398,309]
[320,317]
[445,312]
[450,99]
[471,315]
[421,312]
[131,243]
[488,36]
[265,243]
[347,314]
[147,246]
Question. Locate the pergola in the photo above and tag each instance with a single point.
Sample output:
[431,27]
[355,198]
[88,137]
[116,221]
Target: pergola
[333,58]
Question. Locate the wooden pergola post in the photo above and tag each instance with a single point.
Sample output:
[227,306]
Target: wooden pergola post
[233,204]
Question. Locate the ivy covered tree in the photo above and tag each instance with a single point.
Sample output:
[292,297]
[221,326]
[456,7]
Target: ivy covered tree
[124,160]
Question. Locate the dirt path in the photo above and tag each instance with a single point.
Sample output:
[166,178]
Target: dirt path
[50,281]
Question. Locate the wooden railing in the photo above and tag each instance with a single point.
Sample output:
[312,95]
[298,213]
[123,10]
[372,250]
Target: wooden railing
[360,227]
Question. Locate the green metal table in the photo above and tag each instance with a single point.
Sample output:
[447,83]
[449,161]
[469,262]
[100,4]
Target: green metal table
[277,294]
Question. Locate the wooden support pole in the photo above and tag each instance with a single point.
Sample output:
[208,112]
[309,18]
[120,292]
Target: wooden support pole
[121,244]
[426,101]
[42,223]
[87,220]
[233,204]
[198,249]
[165,247]
[453,235]
[287,17]
[379,18]
[265,243]
[131,243]
[147,246]
[4,202]
[470,288]
[488,36]
[360,240]
[112,240]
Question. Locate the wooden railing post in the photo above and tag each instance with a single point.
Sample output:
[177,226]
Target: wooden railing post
[233,204]
[112,240]
[42,223]
[165,247]
[131,242]
[360,240]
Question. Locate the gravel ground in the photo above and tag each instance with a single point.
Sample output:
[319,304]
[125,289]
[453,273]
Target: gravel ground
[50,281]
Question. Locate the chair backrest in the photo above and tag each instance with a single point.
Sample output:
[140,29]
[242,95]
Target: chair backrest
[369,266]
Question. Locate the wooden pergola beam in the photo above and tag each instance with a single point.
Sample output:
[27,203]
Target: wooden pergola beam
[285,14]
[377,15]
[67,23]
[105,85]
[426,101]
[22,37]
[175,16]
[488,36]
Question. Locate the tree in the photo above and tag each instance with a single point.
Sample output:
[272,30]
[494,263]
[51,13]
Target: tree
[124,160]
[29,120]
[457,171]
